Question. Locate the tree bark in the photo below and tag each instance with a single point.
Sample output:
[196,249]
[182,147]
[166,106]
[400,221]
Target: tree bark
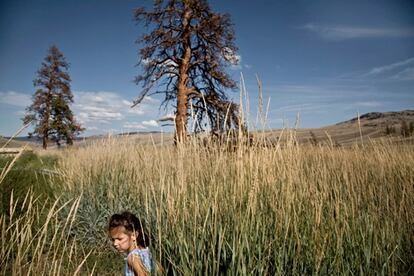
[181,116]
[46,119]
[182,93]
[44,142]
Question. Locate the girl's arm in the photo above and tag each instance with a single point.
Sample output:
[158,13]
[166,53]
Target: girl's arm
[135,263]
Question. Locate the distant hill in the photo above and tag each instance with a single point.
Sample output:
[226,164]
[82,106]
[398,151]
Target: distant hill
[373,125]
[19,142]
[382,119]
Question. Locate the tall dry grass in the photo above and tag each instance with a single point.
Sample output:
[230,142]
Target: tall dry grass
[283,209]
[35,238]
[288,210]
[36,234]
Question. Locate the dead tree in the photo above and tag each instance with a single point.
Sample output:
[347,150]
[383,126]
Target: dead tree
[184,57]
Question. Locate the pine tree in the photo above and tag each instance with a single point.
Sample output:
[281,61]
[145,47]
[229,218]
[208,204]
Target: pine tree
[50,111]
[186,54]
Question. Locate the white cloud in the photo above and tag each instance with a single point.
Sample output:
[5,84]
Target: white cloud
[136,110]
[236,65]
[150,123]
[140,126]
[338,33]
[102,107]
[145,106]
[166,118]
[133,125]
[105,107]
[15,99]
[170,65]
[125,102]
[110,131]
[150,100]
[233,58]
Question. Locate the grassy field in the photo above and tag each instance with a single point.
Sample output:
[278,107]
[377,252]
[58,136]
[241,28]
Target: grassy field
[288,210]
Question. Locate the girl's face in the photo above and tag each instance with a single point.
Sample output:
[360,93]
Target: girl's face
[122,240]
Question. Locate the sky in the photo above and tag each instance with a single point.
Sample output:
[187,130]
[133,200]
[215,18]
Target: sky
[322,61]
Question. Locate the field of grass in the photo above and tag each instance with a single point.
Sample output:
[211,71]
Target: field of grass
[290,210]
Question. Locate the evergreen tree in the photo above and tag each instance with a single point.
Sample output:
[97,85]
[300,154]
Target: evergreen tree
[186,54]
[50,111]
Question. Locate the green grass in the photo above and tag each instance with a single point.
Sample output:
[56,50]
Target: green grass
[26,174]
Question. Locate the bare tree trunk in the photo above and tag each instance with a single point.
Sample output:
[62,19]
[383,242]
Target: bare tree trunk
[181,116]
[182,93]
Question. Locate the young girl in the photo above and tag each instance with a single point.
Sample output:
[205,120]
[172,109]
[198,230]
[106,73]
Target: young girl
[128,237]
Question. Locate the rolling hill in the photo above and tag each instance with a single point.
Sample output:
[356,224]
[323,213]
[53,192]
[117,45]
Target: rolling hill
[373,125]
[369,126]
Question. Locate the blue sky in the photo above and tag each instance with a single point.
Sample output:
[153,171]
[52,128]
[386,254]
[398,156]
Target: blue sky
[324,60]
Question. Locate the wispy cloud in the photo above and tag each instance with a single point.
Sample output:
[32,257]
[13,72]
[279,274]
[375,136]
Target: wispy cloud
[397,71]
[339,33]
[406,74]
[368,104]
[390,67]
[133,125]
[312,99]
[15,99]
[301,108]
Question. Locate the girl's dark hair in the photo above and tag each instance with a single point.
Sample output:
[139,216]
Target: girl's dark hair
[131,224]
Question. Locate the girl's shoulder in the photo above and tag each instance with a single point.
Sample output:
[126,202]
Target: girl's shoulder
[146,258]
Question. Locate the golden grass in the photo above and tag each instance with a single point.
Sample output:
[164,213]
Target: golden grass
[264,210]
[276,208]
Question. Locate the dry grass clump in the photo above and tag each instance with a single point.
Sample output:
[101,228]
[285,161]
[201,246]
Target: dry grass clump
[35,238]
[265,210]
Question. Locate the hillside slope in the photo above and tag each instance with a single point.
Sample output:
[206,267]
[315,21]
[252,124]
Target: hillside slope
[370,126]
